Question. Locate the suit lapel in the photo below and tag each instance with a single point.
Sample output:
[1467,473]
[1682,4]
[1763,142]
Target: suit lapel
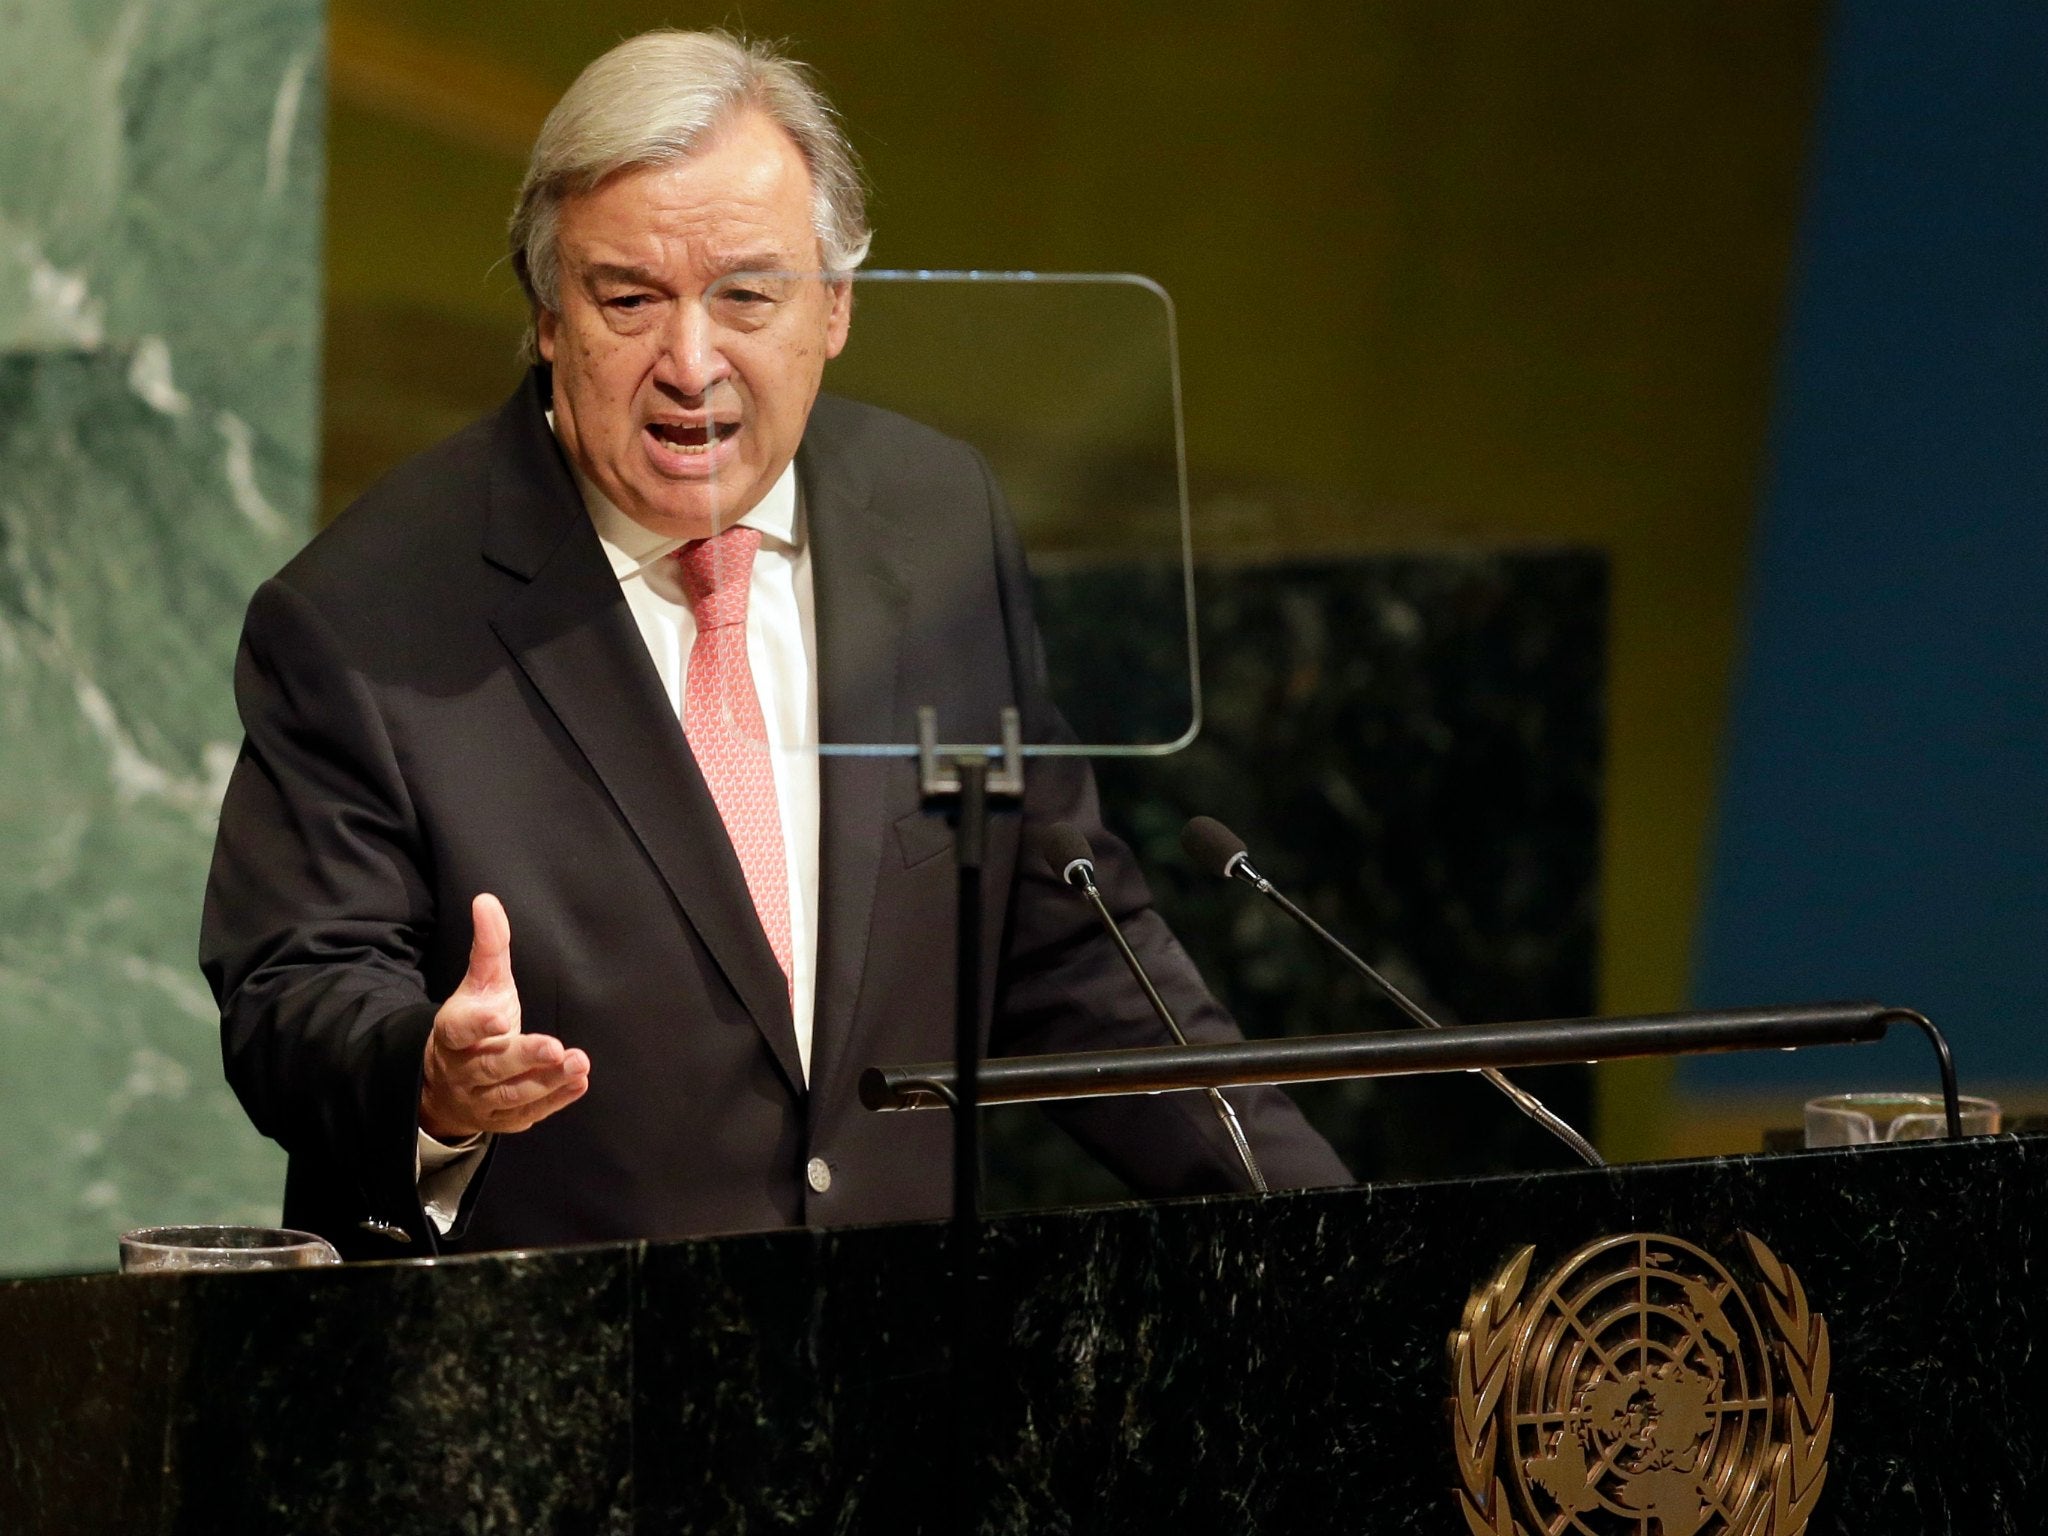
[571,633]
[861,605]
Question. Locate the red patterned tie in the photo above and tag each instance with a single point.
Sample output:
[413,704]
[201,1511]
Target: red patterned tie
[722,719]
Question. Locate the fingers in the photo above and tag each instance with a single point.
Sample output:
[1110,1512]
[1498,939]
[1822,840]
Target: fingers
[515,1104]
[560,1098]
[467,1022]
[481,1073]
[516,1093]
[507,1088]
[490,946]
[500,1058]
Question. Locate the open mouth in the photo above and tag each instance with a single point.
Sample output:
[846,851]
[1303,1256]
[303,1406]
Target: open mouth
[691,437]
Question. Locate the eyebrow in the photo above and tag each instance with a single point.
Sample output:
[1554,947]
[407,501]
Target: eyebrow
[605,271]
[765,263]
[760,263]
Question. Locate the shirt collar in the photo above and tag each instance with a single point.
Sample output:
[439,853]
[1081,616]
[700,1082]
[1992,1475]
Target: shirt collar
[631,548]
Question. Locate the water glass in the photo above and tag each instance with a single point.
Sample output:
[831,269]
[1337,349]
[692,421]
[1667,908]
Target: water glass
[1864,1119]
[160,1249]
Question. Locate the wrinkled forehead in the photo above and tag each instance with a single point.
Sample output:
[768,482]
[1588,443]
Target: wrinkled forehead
[740,202]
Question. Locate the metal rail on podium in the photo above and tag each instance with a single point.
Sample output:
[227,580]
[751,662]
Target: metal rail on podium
[1398,1053]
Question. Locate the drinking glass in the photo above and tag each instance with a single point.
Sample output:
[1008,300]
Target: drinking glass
[1862,1119]
[153,1249]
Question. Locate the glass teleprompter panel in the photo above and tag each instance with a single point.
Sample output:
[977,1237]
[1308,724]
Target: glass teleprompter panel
[995,456]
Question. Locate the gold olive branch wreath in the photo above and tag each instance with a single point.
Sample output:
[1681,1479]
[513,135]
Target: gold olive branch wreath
[1782,1504]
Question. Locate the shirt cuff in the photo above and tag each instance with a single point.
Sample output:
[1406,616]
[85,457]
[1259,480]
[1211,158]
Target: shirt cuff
[444,1171]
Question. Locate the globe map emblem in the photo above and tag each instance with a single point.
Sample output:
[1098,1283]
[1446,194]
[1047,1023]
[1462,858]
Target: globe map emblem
[1639,1395]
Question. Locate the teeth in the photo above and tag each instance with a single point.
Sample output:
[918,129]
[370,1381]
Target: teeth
[689,440]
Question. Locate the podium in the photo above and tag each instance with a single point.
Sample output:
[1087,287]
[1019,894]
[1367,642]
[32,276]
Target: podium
[1859,1330]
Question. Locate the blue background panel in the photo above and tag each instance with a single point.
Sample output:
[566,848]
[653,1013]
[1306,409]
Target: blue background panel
[1883,828]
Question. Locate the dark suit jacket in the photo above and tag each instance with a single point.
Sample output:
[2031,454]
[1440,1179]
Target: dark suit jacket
[445,693]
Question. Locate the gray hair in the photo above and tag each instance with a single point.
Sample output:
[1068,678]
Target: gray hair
[653,100]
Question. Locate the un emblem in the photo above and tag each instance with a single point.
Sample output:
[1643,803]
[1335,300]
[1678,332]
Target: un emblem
[1638,1383]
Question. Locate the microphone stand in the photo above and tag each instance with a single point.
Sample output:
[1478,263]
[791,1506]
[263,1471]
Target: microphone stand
[1517,1095]
[1215,847]
[1080,874]
[959,777]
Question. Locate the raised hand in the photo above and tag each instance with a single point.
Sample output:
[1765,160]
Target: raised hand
[482,1074]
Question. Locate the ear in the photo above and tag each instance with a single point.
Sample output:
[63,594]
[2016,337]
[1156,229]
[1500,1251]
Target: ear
[839,317]
[544,323]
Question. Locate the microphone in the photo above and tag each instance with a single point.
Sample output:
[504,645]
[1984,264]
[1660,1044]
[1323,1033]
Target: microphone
[1215,848]
[1065,850]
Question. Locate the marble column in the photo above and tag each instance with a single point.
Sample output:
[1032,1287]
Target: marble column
[160,179]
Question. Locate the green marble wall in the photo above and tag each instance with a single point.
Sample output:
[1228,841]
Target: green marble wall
[160,182]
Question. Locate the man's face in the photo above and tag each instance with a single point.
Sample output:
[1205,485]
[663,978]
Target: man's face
[682,393]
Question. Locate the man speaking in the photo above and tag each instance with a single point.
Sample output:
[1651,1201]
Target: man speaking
[530,920]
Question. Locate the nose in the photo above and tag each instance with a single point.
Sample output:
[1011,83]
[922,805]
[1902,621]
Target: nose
[692,363]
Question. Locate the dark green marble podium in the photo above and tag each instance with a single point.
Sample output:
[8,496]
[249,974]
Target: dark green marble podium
[1276,1365]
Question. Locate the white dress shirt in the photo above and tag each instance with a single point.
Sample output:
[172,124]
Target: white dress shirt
[782,650]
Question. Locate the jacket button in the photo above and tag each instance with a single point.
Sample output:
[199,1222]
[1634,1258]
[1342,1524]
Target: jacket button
[819,1173]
